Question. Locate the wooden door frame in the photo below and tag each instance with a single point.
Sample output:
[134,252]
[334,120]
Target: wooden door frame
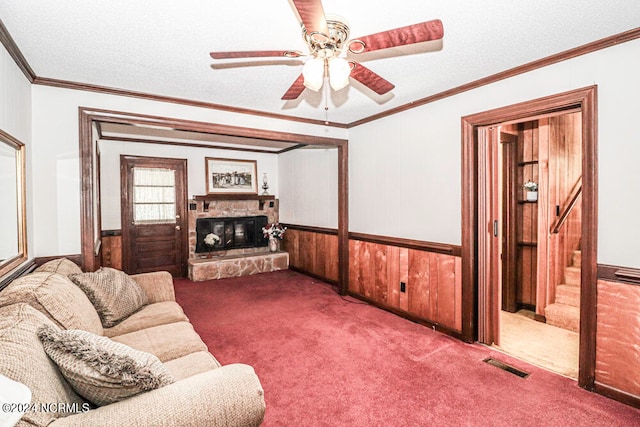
[584,99]
[509,243]
[181,203]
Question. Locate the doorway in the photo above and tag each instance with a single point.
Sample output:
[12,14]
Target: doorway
[537,191]
[481,232]
[153,214]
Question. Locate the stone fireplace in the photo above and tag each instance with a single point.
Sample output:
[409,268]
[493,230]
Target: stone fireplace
[238,221]
[233,233]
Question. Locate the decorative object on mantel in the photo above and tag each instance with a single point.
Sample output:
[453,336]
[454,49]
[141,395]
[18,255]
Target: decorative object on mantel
[211,240]
[532,190]
[265,185]
[230,176]
[274,232]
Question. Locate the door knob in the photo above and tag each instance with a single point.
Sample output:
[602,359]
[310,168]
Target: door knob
[178,227]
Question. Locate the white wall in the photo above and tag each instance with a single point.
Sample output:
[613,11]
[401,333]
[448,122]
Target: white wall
[110,152]
[56,149]
[308,185]
[15,119]
[405,169]
[15,99]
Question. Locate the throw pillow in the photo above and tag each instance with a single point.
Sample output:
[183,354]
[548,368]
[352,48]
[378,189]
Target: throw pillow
[99,369]
[114,294]
[62,266]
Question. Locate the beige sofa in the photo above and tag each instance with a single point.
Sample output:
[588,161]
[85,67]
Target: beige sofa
[204,392]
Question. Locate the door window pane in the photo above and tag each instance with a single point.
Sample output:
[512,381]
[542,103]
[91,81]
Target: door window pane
[154,196]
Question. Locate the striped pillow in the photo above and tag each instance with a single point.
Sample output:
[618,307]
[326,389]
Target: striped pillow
[114,294]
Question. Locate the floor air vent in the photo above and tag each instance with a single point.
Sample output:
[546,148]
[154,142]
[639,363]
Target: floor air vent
[498,364]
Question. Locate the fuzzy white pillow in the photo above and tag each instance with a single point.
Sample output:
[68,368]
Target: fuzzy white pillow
[99,369]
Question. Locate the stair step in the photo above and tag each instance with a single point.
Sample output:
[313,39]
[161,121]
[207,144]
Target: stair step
[572,276]
[563,316]
[576,259]
[568,295]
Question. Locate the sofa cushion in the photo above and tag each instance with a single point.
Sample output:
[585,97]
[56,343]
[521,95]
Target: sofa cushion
[61,266]
[166,342]
[23,359]
[158,285]
[150,315]
[191,364]
[99,369]
[114,294]
[57,297]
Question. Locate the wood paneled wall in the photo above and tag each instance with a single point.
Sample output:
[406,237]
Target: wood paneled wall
[527,214]
[432,276]
[432,281]
[313,252]
[565,170]
[435,287]
[618,335]
[111,249]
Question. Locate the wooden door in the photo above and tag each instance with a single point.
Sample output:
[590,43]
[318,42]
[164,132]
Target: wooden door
[153,213]
[489,235]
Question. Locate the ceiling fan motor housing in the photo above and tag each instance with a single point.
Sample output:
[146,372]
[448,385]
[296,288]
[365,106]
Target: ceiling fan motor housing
[328,45]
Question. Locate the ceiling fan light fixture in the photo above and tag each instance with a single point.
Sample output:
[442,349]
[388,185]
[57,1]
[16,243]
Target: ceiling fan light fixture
[313,72]
[339,70]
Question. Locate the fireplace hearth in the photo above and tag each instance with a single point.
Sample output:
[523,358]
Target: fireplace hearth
[233,232]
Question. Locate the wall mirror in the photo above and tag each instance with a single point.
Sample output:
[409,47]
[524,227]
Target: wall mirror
[13,231]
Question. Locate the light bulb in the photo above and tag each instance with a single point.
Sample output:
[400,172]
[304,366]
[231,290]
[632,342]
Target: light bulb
[339,70]
[313,72]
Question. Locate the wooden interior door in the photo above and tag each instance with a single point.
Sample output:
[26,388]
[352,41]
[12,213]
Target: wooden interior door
[489,235]
[153,213]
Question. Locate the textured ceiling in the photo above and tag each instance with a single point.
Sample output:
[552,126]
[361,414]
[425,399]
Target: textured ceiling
[162,47]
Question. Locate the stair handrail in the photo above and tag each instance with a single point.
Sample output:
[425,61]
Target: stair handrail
[568,206]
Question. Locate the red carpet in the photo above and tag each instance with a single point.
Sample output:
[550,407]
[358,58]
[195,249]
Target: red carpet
[328,361]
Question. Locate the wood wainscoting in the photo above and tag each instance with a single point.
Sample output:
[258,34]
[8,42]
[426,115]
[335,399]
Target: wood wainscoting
[111,253]
[617,372]
[313,251]
[418,280]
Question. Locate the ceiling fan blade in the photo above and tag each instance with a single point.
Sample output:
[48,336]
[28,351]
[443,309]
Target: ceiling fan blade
[256,54]
[370,79]
[416,33]
[295,90]
[311,14]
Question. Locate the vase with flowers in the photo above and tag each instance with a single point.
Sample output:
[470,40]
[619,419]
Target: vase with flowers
[274,232]
[532,190]
[210,240]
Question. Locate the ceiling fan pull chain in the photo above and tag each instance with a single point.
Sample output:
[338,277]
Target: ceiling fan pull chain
[326,104]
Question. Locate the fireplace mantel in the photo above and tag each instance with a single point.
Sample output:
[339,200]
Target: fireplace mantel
[212,197]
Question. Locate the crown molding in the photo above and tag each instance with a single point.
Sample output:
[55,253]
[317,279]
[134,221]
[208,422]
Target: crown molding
[65,84]
[11,46]
[525,68]
[14,51]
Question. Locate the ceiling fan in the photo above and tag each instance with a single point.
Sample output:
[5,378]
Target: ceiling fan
[327,38]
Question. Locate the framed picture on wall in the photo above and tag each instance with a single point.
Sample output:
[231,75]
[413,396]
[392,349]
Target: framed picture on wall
[231,176]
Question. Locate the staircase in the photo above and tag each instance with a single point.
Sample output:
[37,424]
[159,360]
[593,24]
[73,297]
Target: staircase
[565,311]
